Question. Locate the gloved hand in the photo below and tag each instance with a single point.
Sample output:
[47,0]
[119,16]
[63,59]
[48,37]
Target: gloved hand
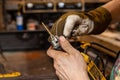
[79,23]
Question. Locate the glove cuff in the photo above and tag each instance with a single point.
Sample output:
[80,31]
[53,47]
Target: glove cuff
[101,18]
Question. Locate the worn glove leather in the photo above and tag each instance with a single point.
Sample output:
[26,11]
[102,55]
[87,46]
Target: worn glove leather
[100,16]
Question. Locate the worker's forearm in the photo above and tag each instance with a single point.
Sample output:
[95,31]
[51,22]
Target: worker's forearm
[114,8]
[103,16]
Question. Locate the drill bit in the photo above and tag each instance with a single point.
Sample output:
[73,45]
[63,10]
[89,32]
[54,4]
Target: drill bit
[54,39]
[51,35]
[47,29]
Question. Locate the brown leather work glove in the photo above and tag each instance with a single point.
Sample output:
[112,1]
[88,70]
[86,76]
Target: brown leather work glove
[79,23]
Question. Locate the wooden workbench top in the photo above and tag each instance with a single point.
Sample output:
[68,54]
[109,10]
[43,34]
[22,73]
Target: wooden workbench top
[34,65]
[107,39]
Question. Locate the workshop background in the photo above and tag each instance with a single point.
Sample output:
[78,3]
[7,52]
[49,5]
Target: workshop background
[24,40]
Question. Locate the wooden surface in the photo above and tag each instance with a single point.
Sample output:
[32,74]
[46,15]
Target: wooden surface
[34,65]
[22,2]
[112,42]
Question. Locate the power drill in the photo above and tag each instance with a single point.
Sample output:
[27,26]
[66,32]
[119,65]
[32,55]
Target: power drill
[93,70]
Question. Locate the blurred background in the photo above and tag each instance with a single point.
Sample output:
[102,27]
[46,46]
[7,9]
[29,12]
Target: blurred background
[24,41]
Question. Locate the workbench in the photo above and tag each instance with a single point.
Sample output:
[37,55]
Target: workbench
[33,65]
